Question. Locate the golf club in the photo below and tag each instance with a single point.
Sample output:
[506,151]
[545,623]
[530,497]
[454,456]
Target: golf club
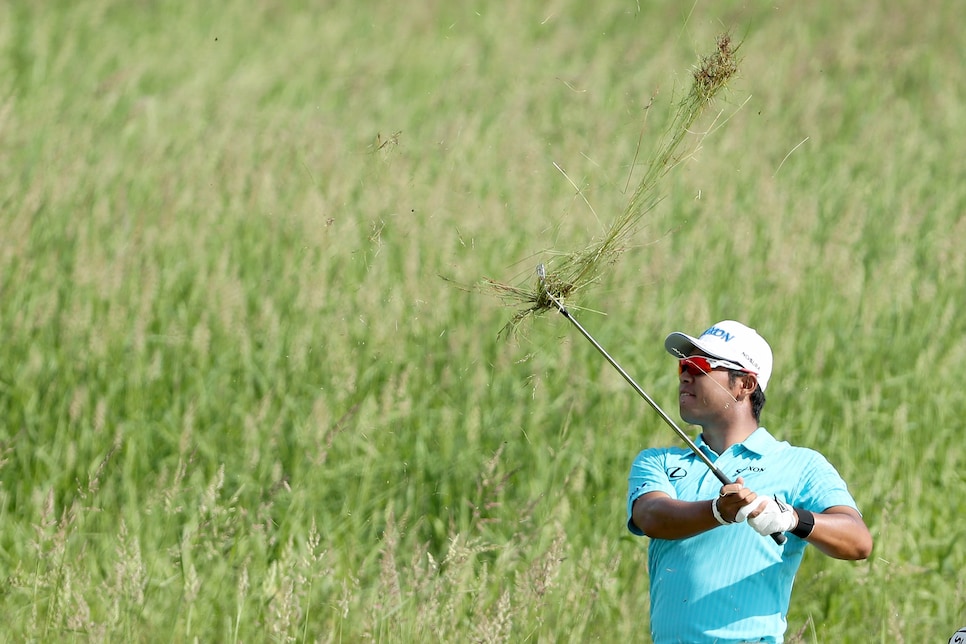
[542,275]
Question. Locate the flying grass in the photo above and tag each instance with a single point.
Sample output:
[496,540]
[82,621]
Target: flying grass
[576,271]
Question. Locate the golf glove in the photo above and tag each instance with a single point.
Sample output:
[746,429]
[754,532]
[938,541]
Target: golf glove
[775,517]
[745,510]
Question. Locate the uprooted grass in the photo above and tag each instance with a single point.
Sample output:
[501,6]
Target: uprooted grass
[578,270]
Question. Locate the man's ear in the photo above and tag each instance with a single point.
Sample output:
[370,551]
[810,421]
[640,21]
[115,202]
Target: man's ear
[749,384]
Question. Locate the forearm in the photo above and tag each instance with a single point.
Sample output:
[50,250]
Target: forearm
[661,517]
[838,532]
[841,533]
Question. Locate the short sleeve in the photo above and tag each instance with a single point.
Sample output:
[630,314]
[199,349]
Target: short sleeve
[648,474]
[823,487]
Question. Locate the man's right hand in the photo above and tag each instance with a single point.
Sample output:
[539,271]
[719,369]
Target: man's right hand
[735,502]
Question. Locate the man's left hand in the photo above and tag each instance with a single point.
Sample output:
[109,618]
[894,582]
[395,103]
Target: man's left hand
[772,516]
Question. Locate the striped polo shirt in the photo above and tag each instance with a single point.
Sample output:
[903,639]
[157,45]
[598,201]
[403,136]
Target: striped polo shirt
[729,584]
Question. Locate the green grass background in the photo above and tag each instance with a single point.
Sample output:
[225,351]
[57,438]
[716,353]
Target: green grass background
[239,402]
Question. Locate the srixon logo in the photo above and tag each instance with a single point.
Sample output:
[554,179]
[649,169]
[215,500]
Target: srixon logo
[718,333]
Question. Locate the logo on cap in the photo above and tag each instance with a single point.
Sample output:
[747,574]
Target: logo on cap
[751,361]
[718,333]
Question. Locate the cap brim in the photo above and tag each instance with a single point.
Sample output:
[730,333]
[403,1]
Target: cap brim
[680,345]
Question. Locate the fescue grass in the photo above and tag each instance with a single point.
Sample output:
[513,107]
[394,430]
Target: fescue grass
[238,402]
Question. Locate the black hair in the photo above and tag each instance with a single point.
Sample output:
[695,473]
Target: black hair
[757,397]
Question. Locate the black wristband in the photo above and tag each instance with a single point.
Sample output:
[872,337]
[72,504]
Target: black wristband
[806,521]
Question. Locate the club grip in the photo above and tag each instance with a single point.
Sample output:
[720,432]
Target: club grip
[779,538]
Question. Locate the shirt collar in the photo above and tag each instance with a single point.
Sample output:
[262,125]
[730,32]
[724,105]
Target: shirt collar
[760,442]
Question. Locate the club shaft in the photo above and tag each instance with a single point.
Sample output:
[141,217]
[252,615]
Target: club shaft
[643,394]
[778,537]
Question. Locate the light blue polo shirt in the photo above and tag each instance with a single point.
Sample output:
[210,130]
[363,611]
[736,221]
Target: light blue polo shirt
[729,584]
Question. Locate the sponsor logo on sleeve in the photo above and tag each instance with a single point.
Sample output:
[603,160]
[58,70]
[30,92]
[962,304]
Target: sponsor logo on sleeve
[675,473]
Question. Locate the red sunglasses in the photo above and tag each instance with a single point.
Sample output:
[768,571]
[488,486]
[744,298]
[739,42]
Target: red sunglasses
[700,365]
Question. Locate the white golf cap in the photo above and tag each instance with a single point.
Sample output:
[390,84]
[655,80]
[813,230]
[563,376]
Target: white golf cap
[727,340]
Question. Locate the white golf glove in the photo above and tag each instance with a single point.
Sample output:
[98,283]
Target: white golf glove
[775,517]
[745,510]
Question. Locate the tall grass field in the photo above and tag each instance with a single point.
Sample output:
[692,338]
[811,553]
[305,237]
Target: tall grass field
[250,392]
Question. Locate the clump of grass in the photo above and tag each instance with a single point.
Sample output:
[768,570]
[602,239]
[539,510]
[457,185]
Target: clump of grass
[576,271]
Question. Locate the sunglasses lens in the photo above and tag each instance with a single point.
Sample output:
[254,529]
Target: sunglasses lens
[694,365]
[699,365]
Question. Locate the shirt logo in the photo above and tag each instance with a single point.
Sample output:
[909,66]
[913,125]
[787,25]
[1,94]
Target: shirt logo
[750,468]
[675,473]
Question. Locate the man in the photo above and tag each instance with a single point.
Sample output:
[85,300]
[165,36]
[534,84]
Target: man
[715,573]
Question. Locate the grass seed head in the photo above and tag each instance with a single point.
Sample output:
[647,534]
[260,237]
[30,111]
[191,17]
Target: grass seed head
[576,271]
[716,70]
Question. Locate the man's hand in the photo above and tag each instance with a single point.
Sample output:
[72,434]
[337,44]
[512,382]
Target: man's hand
[735,501]
[745,511]
[772,516]
[766,515]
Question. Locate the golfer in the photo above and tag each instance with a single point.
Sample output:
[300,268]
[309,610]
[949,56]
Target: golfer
[715,575]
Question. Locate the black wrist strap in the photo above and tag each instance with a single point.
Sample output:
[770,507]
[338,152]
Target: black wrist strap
[806,521]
